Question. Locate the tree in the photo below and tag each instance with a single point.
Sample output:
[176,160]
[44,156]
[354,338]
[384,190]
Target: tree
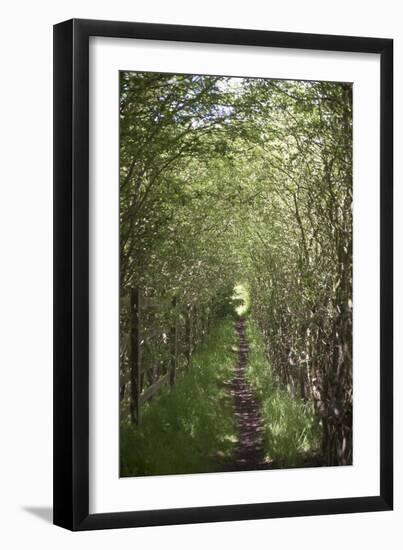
[225,180]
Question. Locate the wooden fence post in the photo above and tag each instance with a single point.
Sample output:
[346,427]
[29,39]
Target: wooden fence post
[135,354]
[174,346]
[188,335]
[195,327]
[204,324]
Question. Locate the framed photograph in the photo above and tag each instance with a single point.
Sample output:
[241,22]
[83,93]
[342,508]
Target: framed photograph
[223,282]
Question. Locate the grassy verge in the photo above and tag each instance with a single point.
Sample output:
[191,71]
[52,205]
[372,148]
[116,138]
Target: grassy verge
[190,428]
[292,434]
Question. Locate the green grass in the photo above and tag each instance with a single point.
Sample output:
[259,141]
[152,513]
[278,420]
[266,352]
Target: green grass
[292,433]
[190,428]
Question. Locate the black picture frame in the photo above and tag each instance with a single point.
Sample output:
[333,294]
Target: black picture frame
[71,274]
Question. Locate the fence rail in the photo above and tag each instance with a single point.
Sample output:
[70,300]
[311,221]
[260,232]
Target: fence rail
[147,394]
[176,337]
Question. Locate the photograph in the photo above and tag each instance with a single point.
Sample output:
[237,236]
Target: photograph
[200,275]
[235,273]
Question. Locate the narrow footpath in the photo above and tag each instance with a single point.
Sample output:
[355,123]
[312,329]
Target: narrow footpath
[249,452]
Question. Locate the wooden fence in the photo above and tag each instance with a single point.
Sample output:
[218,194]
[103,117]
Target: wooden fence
[170,342]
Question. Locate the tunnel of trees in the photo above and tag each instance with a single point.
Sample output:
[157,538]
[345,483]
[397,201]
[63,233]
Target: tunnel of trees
[237,181]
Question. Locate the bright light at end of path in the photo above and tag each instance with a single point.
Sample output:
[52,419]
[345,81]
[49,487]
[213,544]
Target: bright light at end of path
[241,299]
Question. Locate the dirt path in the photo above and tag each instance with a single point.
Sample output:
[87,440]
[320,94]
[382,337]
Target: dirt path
[249,454]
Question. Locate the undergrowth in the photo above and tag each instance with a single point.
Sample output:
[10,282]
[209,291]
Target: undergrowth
[189,428]
[292,433]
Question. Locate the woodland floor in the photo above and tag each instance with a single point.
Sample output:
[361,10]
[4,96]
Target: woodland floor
[249,451]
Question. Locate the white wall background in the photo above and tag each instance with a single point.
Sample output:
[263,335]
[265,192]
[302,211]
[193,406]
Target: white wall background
[26,279]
